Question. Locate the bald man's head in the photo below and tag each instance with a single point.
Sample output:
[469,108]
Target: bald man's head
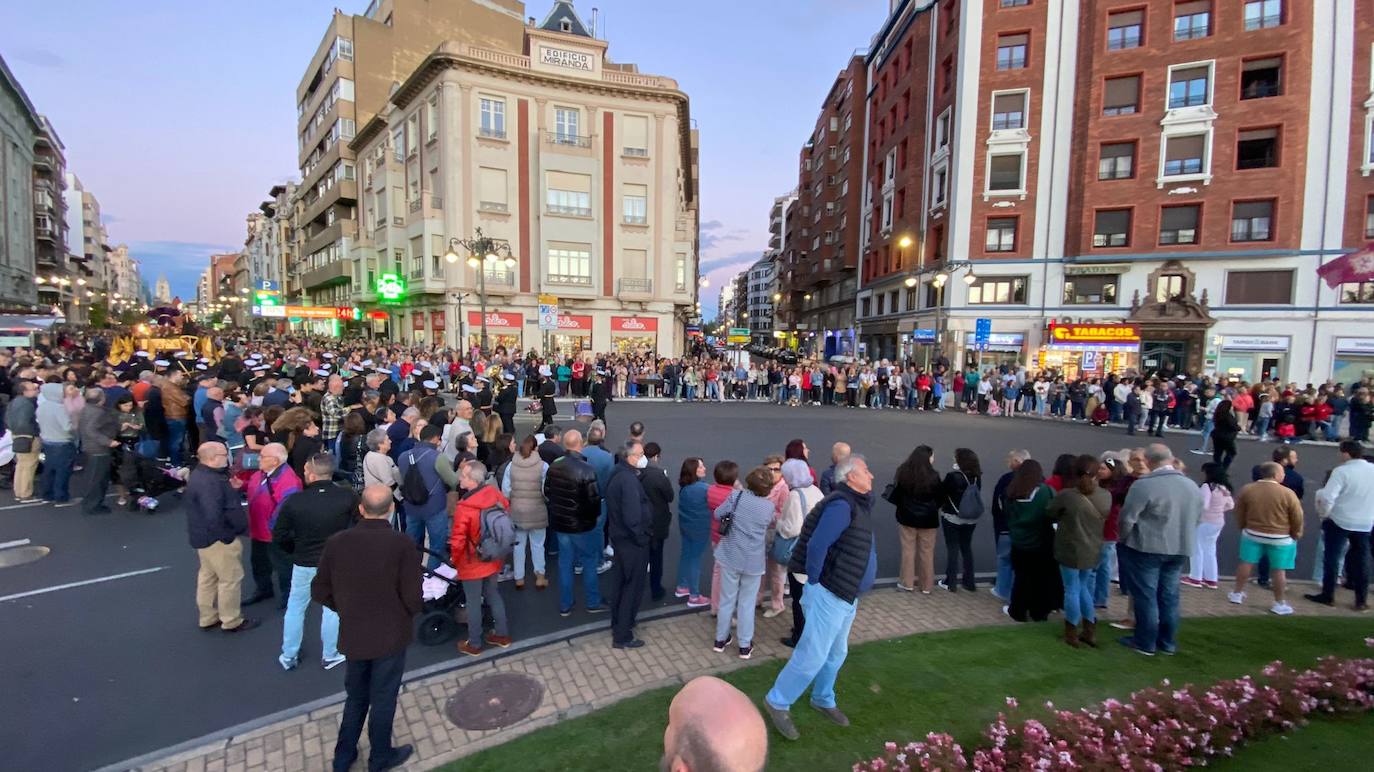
[838,452]
[213,455]
[572,439]
[376,502]
[713,727]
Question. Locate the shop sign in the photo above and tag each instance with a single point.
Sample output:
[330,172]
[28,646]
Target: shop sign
[436,320]
[736,332]
[1254,343]
[569,323]
[694,331]
[496,319]
[1356,346]
[271,312]
[417,320]
[923,336]
[309,312]
[391,288]
[1095,334]
[633,324]
[1000,340]
[1104,269]
[382,315]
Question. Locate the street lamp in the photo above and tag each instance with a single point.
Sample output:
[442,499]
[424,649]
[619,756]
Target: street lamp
[481,250]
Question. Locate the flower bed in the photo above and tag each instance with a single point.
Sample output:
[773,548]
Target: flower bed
[1155,729]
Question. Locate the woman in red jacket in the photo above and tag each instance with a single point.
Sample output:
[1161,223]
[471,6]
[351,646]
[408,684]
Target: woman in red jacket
[477,575]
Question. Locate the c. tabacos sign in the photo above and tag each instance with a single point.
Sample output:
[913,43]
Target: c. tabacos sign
[1095,333]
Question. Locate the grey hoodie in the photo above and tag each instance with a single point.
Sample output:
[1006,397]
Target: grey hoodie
[54,422]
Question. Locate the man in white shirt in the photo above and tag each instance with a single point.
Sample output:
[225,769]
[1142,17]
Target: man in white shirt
[1121,392]
[1208,411]
[1346,506]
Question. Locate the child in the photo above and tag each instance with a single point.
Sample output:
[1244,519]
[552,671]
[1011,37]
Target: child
[1099,416]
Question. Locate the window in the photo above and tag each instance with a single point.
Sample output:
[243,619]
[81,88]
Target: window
[417,258]
[491,190]
[636,204]
[1369,218]
[937,193]
[1121,96]
[1009,111]
[1263,14]
[1261,78]
[1123,29]
[887,212]
[1193,20]
[942,126]
[412,135]
[345,48]
[1259,287]
[1004,173]
[865,307]
[680,272]
[432,118]
[569,194]
[1011,51]
[1357,292]
[1001,235]
[1188,87]
[1116,161]
[911,299]
[493,112]
[398,144]
[1169,286]
[946,74]
[1003,289]
[890,166]
[1184,155]
[879,297]
[1178,224]
[1257,149]
[565,123]
[1112,228]
[570,265]
[1013,3]
[1252,221]
[636,141]
[1087,290]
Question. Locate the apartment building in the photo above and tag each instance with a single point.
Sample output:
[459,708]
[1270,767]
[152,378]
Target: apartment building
[1120,185]
[20,128]
[581,168]
[762,283]
[821,250]
[349,79]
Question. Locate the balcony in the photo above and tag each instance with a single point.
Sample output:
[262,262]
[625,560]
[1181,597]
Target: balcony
[493,206]
[330,234]
[500,281]
[491,133]
[44,231]
[572,211]
[635,289]
[636,219]
[567,140]
[337,272]
[635,152]
[416,204]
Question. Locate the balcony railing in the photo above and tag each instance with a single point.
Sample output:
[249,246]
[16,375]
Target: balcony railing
[490,133]
[636,219]
[416,204]
[637,152]
[499,278]
[574,279]
[493,206]
[398,221]
[562,138]
[577,211]
[636,286]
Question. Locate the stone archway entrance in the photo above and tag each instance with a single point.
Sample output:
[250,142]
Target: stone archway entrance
[1173,334]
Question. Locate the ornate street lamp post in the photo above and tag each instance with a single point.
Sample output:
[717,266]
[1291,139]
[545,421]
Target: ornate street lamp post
[482,250]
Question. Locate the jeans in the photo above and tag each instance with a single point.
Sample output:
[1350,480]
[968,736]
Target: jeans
[437,526]
[1333,538]
[372,686]
[578,548]
[1154,597]
[1078,594]
[1156,425]
[958,544]
[1005,576]
[1206,434]
[535,538]
[58,459]
[1203,567]
[1039,405]
[293,625]
[1262,428]
[1102,582]
[519,388]
[737,594]
[689,564]
[98,473]
[176,440]
[816,660]
[1114,412]
[1318,565]
[476,592]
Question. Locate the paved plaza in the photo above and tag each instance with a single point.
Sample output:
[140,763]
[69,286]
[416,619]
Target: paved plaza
[123,660]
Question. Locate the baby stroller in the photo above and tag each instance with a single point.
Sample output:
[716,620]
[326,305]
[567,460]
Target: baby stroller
[445,610]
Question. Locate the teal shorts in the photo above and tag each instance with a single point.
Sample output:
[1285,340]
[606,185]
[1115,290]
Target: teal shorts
[1282,557]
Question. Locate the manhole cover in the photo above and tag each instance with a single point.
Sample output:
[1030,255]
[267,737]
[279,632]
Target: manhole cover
[18,556]
[495,701]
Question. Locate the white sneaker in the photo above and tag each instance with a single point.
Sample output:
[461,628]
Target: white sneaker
[1282,609]
[604,567]
[609,551]
[1236,597]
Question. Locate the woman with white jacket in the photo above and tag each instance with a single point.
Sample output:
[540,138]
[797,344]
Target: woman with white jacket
[802,497]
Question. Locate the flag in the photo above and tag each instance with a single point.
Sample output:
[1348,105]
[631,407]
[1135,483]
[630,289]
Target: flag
[1349,268]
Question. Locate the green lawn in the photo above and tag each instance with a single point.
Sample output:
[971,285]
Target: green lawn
[953,681]
[1326,745]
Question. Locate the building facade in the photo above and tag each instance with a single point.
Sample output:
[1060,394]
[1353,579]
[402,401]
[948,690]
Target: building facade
[763,285]
[1176,170]
[582,168]
[20,127]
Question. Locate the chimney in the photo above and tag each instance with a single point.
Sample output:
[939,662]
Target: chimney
[594,13]
[530,23]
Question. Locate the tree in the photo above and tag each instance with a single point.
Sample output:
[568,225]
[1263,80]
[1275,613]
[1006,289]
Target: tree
[99,315]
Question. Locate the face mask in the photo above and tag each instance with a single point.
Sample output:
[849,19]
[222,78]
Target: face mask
[642,462]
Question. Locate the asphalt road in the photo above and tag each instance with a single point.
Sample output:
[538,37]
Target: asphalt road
[103,672]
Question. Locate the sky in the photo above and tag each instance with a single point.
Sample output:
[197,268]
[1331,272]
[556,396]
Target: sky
[180,117]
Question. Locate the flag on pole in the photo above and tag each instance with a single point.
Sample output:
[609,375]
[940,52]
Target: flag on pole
[1350,268]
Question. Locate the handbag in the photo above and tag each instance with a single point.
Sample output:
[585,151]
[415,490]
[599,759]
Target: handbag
[780,551]
[23,443]
[729,518]
[890,492]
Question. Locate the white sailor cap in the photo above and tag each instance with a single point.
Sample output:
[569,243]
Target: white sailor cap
[507,377]
[484,378]
[162,363]
[367,363]
[143,354]
[322,373]
[328,355]
[201,367]
[465,368]
[430,384]
[261,369]
[469,388]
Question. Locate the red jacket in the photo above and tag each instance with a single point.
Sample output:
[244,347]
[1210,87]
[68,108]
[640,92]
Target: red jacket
[264,500]
[467,532]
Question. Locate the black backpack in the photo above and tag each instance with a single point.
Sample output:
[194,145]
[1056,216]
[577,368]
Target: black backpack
[413,488]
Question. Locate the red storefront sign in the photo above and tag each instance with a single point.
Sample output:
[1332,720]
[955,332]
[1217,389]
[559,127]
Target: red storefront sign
[417,320]
[436,319]
[496,319]
[634,324]
[344,313]
[378,315]
[572,324]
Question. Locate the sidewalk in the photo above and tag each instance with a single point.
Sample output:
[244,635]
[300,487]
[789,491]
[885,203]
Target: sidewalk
[584,673]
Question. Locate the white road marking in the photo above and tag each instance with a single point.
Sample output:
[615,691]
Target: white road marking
[18,543]
[70,585]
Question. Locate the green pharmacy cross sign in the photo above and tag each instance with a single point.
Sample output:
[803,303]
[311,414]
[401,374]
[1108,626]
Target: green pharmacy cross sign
[391,288]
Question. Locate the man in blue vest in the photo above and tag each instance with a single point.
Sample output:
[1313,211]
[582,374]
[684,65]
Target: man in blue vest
[837,555]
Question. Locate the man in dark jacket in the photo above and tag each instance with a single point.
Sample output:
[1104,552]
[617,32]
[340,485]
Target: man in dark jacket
[98,428]
[21,418]
[505,403]
[210,414]
[370,577]
[214,522]
[600,396]
[1001,530]
[549,450]
[660,492]
[307,519]
[574,507]
[836,552]
[629,519]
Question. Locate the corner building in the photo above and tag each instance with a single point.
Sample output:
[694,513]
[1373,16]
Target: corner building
[1182,168]
[584,166]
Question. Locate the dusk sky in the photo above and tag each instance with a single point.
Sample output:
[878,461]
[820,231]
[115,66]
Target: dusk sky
[180,116]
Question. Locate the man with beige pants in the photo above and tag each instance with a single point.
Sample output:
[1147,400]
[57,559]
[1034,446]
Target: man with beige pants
[215,520]
[22,419]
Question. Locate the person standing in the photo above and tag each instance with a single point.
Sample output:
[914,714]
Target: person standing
[838,452]
[332,410]
[1224,430]
[1270,520]
[574,502]
[99,429]
[307,520]
[660,492]
[629,518]
[1216,502]
[1080,510]
[960,510]
[1158,523]
[56,434]
[523,484]
[694,525]
[368,576]
[604,463]
[268,488]
[214,522]
[740,554]
[1344,504]
[916,495]
[504,404]
[837,554]
[21,418]
[176,404]
[802,497]
[1001,532]
[427,515]
[477,573]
